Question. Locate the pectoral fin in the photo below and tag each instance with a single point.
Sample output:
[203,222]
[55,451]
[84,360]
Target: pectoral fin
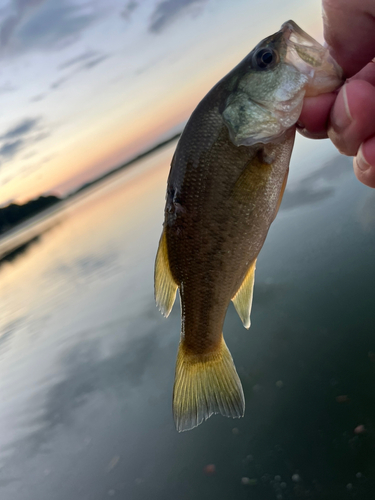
[165,286]
[244,297]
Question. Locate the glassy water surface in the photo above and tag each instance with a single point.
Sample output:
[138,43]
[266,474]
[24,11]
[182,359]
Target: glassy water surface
[87,362]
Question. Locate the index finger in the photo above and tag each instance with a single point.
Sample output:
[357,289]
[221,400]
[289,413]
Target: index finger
[349,30]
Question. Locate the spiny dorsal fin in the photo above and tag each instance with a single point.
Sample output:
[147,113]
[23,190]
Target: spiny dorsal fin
[205,384]
[244,297]
[165,286]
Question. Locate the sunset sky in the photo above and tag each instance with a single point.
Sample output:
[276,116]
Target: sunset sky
[86,84]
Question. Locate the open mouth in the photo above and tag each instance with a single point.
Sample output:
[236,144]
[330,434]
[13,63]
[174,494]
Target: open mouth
[312,59]
[295,35]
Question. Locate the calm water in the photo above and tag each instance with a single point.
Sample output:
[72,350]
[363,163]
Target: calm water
[87,361]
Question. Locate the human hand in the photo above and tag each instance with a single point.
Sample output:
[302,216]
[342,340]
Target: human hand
[347,117]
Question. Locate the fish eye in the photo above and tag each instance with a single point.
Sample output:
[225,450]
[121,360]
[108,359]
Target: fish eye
[264,58]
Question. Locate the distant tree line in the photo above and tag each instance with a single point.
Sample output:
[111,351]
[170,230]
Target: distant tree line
[13,214]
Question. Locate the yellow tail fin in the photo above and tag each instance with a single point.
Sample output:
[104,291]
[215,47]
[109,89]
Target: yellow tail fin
[205,384]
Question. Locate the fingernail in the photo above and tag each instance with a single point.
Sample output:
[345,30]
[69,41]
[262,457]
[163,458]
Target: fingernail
[346,103]
[361,161]
[341,120]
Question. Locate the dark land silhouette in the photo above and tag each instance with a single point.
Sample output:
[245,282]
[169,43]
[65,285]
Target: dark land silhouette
[124,165]
[18,250]
[14,214]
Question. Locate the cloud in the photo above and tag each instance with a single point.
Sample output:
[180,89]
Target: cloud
[128,10]
[78,59]
[38,97]
[27,131]
[57,24]
[24,127]
[93,62]
[57,83]
[19,11]
[45,24]
[168,11]
[79,66]
[7,87]
[9,149]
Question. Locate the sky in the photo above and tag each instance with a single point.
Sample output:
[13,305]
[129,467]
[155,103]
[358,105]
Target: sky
[87,84]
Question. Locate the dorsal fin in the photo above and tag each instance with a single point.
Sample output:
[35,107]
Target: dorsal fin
[244,297]
[165,286]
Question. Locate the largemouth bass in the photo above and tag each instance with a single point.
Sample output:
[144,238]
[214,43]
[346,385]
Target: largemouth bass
[226,183]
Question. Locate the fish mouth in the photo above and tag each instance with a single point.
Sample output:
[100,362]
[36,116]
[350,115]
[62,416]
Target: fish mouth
[310,58]
[292,33]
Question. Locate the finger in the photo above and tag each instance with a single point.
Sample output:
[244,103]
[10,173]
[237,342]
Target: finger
[352,116]
[313,120]
[367,74]
[364,163]
[349,30]
[312,135]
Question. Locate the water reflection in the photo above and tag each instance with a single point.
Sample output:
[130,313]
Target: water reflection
[88,369]
[319,185]
[305,196]
[89,267]
[87,361]
[267,292]
[366,212]
[7,333]
[334,169]
[18,251]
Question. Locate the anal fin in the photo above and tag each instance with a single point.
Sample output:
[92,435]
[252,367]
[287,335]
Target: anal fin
[244,297]
[165,286]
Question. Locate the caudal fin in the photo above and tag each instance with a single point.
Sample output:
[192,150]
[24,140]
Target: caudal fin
[205,384]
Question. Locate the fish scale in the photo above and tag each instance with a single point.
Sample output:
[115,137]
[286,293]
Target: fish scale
[226,182]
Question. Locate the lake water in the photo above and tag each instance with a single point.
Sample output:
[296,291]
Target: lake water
[87,362]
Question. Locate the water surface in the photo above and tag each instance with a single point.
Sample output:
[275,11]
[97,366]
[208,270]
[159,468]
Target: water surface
[87,361]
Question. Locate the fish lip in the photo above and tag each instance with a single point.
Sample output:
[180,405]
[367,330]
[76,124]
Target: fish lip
[286,29]
[290,28]
[298,41]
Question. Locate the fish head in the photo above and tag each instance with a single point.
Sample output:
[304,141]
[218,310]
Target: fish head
[267,88]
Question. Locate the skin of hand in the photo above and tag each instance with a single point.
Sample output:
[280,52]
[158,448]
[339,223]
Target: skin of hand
[347,116]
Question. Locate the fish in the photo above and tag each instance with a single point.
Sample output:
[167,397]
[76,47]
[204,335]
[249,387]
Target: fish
[226,182]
